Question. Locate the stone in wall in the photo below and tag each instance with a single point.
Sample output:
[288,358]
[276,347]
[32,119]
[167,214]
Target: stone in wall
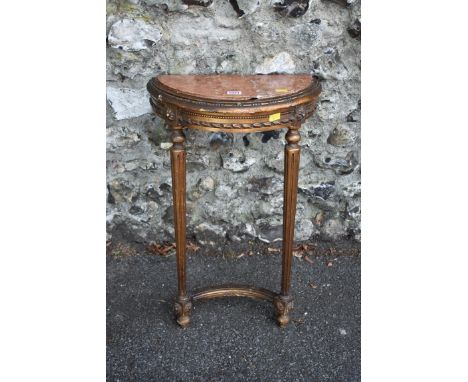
[344,3]
[167,5]
[292,8]
[203,3]
[236,161]
[246,7]
[342,135]
[280,63]
[128,103]
[133,35]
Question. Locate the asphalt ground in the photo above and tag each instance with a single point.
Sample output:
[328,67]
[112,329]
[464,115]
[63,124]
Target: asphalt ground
[235,338]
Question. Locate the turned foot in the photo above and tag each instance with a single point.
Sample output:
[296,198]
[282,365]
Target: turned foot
[182,308]
[283,304]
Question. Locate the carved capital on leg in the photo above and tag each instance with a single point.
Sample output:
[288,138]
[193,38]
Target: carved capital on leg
[182,309]
[178,138]
[293,137]
[283,304]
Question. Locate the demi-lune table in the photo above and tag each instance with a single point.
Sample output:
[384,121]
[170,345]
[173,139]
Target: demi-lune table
[234,104]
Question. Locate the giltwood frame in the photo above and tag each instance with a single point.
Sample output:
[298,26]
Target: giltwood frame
[182,111]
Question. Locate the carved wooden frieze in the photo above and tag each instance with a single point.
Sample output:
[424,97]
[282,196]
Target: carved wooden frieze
[242,102]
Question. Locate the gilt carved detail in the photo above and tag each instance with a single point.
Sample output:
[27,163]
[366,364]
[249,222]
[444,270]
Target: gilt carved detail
[195,119]
[283,305]
[182,309]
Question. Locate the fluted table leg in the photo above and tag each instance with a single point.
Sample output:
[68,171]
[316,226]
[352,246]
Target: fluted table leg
[283,302]
[183,304]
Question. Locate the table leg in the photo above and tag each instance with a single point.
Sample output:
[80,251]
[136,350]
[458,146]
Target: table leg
[283,302]
[183,304]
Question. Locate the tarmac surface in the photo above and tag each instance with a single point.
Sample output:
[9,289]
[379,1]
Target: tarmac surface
[235,338]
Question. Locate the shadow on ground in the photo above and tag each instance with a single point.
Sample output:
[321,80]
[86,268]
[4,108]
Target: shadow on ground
[234,339]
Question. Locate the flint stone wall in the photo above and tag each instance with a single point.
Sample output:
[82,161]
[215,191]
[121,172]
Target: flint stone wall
[234,182]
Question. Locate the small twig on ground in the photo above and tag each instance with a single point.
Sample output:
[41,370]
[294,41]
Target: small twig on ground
[305,248]
[166,249]
[161,249]
[300,250]
[192,247]
[308,259]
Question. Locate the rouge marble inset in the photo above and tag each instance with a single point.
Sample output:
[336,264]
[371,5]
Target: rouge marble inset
[236,87]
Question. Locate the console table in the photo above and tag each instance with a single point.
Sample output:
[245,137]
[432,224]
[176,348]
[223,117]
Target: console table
[234,104]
